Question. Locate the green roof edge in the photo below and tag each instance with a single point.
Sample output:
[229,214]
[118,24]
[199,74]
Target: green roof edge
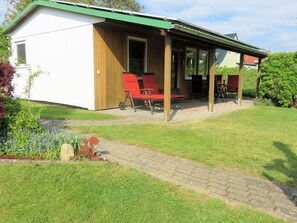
[222,40]
[91,12]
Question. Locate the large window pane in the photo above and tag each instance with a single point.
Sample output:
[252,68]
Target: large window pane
[137,56]
[190,63]
[203,62]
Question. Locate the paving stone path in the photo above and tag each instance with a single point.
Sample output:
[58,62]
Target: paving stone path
[263,195]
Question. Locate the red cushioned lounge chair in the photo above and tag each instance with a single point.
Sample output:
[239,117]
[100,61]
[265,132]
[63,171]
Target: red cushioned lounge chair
[133,92]
[150,82]
[232,85]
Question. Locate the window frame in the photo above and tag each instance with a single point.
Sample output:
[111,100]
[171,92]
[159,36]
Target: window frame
[207,63]
[19,59]
[189,77]
[145,53]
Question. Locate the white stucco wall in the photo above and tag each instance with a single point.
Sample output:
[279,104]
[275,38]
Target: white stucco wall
[231,60]
[61,44]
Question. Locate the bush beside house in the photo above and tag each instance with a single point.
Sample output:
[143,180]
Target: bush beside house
[8,107]
[279,79]
[21,135]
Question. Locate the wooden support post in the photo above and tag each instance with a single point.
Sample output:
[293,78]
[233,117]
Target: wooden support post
[167,79]
[212,58]
[258,77]
[239,93]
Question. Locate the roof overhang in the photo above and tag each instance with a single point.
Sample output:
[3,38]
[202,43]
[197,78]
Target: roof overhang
[219,40]
[91,11]
[169,24]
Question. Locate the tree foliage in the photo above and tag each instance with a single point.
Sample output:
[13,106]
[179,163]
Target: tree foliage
[8,107]
[6,76]
[279,79]
[6,87]
[16,6]
[5,49]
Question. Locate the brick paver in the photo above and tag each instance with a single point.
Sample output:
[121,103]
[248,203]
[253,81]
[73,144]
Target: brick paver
[263,195]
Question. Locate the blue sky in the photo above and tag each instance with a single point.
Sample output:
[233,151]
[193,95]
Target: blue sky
[269,24]
[3,7]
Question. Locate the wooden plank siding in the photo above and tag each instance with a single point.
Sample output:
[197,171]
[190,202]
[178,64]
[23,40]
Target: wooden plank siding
[155,58]
[110,60]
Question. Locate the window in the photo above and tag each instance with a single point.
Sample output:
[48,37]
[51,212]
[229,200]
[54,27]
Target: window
[190,65]
[203,62]
[136,55]
[21,53]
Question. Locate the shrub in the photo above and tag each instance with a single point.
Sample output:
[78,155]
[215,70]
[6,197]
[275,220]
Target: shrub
[263,102]
[24,124]
[5,47]
[279,79]
[45,145]
[251,92]
[6,76]
[11,109]
[21,134]
[8,107]
[27,137]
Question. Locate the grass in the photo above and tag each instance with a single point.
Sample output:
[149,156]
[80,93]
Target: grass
[85,192]
[61,112]
[259,141]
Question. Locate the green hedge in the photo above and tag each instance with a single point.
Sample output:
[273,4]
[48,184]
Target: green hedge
[279,79]
[249,78]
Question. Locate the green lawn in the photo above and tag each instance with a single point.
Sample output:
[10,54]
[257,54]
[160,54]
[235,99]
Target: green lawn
[60,112]
[85,192]
[260,141]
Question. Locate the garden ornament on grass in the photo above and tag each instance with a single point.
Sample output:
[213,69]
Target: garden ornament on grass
[88,147]
[67,152]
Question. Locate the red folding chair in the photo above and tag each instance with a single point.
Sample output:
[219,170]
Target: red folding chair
[133,92]
[150,82]
[232,85]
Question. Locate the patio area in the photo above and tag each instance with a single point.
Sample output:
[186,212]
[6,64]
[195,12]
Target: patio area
[192,110]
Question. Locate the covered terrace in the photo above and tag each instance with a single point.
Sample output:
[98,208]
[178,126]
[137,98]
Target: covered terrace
[210,41]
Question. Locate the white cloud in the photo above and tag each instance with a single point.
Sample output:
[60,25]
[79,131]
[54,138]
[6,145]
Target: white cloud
[268,24]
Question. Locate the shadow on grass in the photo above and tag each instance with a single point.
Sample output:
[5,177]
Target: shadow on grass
[286,166]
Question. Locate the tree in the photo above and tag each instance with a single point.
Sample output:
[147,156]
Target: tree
[279,79]
[16,6]
[5,50]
